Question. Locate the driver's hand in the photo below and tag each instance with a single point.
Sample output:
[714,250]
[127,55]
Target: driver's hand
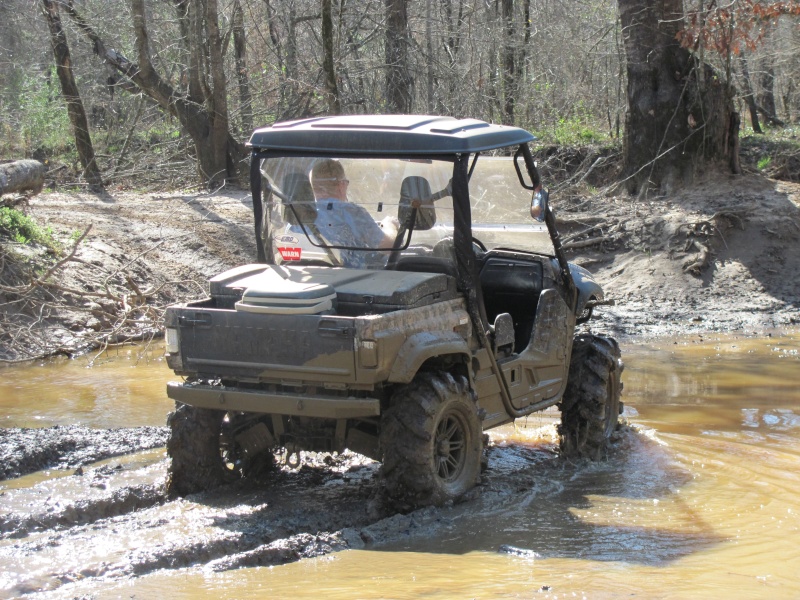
[390,225]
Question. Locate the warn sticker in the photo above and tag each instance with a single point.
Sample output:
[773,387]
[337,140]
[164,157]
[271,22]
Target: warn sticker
[289,253]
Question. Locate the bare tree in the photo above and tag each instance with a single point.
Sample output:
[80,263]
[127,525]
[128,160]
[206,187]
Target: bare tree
[240,57]
[398,78]
[334,105]
[72,97]
[509,61]
[767,99]
[202,106]
[749,96]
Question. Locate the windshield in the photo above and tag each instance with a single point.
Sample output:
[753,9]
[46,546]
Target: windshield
[353,212]
[501,208]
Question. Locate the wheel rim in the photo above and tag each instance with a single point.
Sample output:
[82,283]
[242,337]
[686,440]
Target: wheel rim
[450,447]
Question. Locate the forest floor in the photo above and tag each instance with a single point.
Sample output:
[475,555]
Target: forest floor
[721,256]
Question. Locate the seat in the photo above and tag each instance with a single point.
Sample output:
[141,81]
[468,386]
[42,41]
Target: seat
[299,202]
[503,334]
[426,264]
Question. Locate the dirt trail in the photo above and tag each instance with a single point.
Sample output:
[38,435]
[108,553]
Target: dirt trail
[723,256]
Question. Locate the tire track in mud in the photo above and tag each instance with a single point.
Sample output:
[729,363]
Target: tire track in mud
[83,512]
[329,504]
[114,522]
[26,450]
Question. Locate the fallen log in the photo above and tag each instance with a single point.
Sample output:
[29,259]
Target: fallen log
[586,243]
[22,176]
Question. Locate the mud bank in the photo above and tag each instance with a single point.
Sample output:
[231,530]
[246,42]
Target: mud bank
[723,255]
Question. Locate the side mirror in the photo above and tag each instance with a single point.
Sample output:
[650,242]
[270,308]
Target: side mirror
[415,193]
[540,204]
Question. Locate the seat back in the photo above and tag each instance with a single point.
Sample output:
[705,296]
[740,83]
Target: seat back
[300,201]
[426,264]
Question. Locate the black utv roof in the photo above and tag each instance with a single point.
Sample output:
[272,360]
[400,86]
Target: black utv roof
[387,135]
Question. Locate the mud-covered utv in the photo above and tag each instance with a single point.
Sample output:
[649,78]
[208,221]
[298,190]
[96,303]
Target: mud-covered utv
[403,345]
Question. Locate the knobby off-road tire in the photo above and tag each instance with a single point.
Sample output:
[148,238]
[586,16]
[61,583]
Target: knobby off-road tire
[196,448]
[431,441]
[591,405]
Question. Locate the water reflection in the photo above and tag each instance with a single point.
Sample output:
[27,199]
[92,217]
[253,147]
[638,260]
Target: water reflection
[700,501]
[628,509]
[123,387]
[716,386]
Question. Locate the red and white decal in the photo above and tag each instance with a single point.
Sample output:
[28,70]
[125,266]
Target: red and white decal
[289,253]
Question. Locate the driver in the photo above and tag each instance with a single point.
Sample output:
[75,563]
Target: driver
[343,223]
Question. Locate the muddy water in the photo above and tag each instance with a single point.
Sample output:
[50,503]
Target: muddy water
[123,387]
[700,499]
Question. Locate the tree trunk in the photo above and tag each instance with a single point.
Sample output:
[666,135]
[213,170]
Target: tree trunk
[217,160]
[429,62]
[239,53]
[679,111]
[768,89]
[448,100]
[493,94]
[766,105]
[22,176]
[749,97]
[398,78]
[275,38]
[334,106]
[509,62]
[69,89]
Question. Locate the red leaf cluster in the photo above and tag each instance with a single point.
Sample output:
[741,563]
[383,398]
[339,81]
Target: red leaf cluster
[735,25]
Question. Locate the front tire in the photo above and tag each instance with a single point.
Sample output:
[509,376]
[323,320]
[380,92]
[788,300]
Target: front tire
[591,404]
[431,441]
[199,447]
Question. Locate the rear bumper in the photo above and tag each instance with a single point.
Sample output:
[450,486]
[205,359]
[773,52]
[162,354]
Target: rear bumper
[206,396]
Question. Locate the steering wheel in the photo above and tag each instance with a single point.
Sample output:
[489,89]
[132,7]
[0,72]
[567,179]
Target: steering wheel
[444,247]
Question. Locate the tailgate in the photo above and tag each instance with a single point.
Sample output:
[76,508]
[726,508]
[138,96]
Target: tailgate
[262,347]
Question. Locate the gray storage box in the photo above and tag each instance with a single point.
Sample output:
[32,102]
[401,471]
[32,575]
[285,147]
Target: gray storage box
[276,296]
[224,289]
[357,292]
[376,292]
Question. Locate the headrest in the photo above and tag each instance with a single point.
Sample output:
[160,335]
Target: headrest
[297,188]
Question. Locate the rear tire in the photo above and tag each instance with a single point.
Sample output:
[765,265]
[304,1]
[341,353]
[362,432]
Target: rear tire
[199,447]
[591,404]
[431,441]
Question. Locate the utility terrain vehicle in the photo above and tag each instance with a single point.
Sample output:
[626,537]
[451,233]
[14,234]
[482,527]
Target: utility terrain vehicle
[404,351]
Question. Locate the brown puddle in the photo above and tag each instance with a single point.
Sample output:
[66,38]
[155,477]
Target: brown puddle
[124,387]
[702,500]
